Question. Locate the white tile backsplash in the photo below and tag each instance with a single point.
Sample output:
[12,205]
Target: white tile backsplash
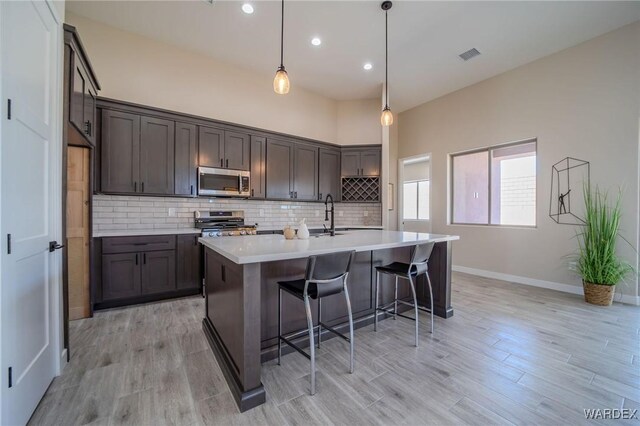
[116,212]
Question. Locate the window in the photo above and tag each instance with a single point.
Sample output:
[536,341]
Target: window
[495,186]
[416,200]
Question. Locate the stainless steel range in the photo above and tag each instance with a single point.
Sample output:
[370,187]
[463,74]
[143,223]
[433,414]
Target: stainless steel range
[222,223]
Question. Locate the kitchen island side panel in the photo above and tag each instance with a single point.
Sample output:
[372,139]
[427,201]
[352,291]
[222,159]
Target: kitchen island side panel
[232,325]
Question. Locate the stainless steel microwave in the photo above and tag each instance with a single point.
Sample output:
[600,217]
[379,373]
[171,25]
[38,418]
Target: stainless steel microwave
[223,182]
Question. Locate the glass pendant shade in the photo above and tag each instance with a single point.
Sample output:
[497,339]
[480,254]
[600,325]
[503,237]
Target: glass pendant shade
[281,82]
[386,119]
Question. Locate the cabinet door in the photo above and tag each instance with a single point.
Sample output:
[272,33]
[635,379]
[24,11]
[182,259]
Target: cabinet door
[370,162]
[120,153]
[258,167]
[76,100]
[120,276]
[186,159]
[305,174]
[156,156]
[188,268]
[236,151]
[279,169]
[89,128]
[158,271]
[350,163]
[329,173]
[210,147]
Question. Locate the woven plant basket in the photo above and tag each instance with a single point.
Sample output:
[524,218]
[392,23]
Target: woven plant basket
[598,294]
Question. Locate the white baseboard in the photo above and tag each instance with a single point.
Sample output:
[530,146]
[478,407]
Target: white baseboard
[566,288]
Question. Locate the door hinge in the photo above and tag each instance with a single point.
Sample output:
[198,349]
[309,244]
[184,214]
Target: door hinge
[8,109]
[10,376]
[8,243]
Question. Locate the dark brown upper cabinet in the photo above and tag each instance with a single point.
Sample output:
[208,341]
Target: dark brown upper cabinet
[120,156]
[210,147]
[305,172]
[360,162]
[236,151]
[328,173]
[220,148]
[137,154]
[186,159]
[157,145]
[370,162]
[280,155]
[80,91]
[258,167]
[188,262]
[292,170]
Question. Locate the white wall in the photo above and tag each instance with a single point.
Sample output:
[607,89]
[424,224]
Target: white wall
[582,102]
[359,122]
[141,70]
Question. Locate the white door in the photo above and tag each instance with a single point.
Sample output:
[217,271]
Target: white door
[414,188]
[29,155]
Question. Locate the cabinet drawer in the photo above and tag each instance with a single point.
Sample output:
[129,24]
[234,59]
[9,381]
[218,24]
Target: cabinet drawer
[136,244]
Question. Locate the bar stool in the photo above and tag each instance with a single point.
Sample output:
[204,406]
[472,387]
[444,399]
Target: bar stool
[418,266]
[325,275]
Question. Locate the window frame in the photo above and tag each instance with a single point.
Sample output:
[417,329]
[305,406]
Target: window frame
[417,182]
[488,150]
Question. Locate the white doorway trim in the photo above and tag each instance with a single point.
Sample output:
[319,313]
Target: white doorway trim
[400,190]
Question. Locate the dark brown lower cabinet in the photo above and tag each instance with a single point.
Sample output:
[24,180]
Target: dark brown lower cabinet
[189,254]
[120,276]
[158,271]
[145,268]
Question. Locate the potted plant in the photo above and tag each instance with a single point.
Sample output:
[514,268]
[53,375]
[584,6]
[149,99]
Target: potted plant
[597,261]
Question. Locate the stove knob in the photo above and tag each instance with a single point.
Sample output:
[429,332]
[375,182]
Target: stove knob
[243,232]
[219,234]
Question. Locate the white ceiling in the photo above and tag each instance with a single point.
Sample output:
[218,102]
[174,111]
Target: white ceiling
[424,38]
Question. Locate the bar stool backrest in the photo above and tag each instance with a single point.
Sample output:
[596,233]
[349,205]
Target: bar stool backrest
[329,271]
[420,256]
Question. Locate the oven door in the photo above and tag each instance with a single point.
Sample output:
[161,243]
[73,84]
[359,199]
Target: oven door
[223,182]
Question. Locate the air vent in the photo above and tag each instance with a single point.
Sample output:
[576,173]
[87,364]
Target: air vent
[471,53]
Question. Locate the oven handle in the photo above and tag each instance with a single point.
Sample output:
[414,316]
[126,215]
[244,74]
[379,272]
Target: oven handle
[239,183]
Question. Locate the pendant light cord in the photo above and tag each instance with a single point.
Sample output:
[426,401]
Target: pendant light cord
[386,58]
[282,37]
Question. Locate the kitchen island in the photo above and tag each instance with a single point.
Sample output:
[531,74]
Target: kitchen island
[241,275]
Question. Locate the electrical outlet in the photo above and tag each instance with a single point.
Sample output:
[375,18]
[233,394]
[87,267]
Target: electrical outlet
[340,213]
[366,213]
[261,213]
[317,213]
[172,212]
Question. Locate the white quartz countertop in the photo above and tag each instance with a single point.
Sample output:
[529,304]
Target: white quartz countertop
[142,232]
[312,227]
[268,248]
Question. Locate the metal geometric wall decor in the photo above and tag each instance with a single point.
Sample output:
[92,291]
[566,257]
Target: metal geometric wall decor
[568,178]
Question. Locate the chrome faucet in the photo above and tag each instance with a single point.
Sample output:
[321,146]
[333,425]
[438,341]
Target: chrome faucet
[332,230]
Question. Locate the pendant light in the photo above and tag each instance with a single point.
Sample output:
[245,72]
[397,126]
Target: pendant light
[281,80]
[386,119]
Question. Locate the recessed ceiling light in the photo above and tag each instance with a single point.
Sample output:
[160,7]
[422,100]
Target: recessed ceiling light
[247,8]
[367,66]
[316,41]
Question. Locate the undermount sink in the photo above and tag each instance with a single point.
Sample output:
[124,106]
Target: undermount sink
[325,234]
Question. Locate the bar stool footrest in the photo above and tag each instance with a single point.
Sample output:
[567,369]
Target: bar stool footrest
[398,314]
[294,346]
[334,331]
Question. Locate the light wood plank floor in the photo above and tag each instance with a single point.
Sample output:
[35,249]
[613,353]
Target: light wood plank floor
[510,355]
